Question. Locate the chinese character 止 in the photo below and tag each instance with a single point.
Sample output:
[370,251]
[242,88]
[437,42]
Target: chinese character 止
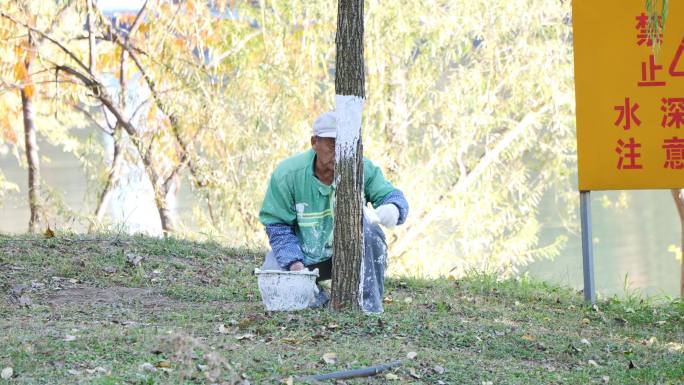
[627,151]
[674,153]
[648,73]
[675,61]
[642,27]
[627,115]
[673,109]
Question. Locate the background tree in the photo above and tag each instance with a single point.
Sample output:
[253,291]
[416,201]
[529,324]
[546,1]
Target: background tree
[153,126]
[22,76]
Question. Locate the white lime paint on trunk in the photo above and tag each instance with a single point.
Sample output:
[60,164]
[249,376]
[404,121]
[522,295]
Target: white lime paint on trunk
[349,109]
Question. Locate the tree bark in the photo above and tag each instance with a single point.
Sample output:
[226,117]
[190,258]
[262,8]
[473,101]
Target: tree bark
[165,214]
[31,144]
[678,195]
[348,228]
[32,160]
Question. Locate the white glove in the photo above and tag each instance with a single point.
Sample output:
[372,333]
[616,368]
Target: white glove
[370,214]
[388,214]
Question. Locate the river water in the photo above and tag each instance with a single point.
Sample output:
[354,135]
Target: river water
[630,244]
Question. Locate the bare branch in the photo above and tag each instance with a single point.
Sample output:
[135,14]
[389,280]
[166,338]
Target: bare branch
[46,36]
[58,16]
[92,119]
[104,113]
[92,47]
[138,19]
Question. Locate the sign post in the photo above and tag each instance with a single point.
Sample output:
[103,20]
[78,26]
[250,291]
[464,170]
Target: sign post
[587,247]
[630,104]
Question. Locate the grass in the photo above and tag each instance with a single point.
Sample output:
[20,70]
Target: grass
[191,313]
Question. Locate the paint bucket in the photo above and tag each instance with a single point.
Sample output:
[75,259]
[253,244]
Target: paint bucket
[287,290]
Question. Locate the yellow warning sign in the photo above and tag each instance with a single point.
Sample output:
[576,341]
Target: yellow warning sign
[630,99]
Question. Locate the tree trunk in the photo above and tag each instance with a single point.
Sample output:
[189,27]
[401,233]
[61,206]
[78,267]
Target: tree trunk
[349,88]
[678,196]
[32,159]
[165,213]
[112,178]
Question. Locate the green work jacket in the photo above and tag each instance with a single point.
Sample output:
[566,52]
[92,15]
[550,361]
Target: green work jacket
[295,197]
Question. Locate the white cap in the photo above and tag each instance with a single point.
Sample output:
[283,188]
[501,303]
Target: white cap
[325,125]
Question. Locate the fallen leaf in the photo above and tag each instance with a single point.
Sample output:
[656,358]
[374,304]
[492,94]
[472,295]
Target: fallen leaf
[411,355]
[49,233]
[25,301]
[147,367]
[248,336]
[661,323]
[650,341]
[528,337]
[439,370]
[593,363]
[487,383]
[333,326]
[163,364]
[330,358]
[73,280]
[673,347]
[391,377]
[69,338]
[408,299]
[222,329]
[98,369]
[605,379]
[248,321]
[585,321]
[387,300]
[74,372]
[291,341]
[109,269]
[413,373]
[440,382]
[134,260]
[202,368]
[7,373]
[620,320]
[287,381]
[585,341]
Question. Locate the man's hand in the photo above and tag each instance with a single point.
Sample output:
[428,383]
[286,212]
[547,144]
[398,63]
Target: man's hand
[296,266]
[388,214]
[370,215]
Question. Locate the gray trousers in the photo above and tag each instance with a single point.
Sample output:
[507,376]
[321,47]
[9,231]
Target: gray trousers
[374,264]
